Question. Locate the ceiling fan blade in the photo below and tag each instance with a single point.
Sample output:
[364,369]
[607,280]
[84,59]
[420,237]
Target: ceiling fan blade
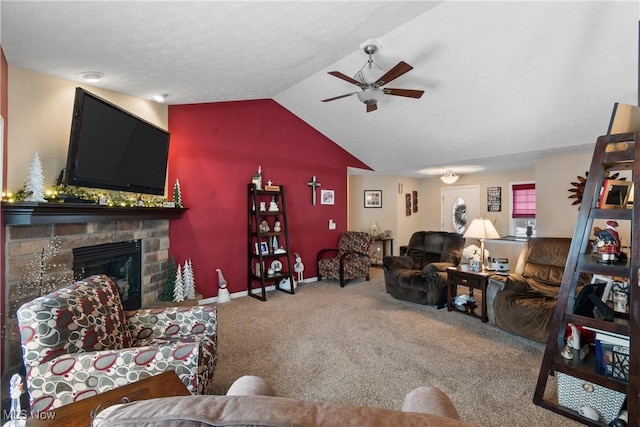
[371,107]
[338,97]
[394,73]
[344,77]
[409,93]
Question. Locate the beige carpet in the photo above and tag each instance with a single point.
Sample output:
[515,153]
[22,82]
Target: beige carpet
[358,345]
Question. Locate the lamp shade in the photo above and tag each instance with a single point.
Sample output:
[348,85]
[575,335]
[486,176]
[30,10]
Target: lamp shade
[481,228]
[449,177]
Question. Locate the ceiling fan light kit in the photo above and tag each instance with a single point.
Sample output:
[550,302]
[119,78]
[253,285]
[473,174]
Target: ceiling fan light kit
[370,95]
[371,90]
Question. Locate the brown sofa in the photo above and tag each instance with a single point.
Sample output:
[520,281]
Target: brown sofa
[419,273]
[251,401]
[523,301]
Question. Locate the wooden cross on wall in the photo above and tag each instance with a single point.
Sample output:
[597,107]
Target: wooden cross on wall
[313,184]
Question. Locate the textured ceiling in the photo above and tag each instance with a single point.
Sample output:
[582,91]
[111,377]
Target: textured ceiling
[506,82]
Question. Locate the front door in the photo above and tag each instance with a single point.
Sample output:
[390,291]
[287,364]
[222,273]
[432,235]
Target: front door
[460,205]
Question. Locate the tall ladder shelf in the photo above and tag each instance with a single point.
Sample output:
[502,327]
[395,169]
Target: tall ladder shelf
[620,152]
[267,249]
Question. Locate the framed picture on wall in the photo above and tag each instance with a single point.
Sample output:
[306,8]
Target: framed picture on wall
[372,198]
[327,197]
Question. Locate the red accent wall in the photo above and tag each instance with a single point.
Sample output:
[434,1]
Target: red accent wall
[215,150]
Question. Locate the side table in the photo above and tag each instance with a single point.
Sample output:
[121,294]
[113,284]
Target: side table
[78,414]
[386,242]
[464,276]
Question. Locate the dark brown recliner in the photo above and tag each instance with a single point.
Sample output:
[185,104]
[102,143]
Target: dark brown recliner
[420,275]
[523,302]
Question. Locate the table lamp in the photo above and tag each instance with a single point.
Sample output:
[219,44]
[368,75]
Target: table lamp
[481,229]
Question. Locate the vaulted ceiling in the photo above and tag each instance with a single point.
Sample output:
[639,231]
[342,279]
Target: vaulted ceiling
[505,82]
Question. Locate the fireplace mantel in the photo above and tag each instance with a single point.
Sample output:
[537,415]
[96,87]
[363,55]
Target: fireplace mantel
[32,213]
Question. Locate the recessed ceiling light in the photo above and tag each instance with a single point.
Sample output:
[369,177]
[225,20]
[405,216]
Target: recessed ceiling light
[160,97]
[91,76]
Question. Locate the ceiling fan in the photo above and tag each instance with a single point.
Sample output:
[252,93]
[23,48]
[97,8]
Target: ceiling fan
[371,89]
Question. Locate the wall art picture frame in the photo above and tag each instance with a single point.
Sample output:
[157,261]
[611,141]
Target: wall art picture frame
[327,197]
[615,194]
[372,198]
[262,248]
[494,199]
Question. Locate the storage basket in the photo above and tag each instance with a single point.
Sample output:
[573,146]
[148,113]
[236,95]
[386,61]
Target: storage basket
[574,393]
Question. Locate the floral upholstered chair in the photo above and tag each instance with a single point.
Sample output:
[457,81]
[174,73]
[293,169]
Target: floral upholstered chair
[78,342]
[351,260]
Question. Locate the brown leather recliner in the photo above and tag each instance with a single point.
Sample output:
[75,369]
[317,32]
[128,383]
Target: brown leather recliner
[420,276]
[523,302]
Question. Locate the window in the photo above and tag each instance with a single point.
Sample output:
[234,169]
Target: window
[523,208]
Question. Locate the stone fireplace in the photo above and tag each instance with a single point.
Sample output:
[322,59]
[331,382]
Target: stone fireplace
[53,235]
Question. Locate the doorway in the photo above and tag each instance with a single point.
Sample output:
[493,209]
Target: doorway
[460,205]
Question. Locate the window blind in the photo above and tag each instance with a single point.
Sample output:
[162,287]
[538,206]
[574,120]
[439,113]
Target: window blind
[524,200]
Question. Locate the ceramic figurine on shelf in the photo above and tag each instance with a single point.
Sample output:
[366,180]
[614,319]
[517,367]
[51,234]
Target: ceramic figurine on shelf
[273,206]
[257,179]
[264,226]
[277,227]
[607,242]
[574,338]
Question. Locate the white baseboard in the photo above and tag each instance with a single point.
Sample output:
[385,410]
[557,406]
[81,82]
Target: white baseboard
[214,300]
[234,295]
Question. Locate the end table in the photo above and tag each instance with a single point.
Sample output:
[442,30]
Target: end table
[464,276]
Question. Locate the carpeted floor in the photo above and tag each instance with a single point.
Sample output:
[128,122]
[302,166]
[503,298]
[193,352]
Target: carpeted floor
[358,345]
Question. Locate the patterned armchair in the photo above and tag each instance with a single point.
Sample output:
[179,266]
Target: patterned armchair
[78,342]
[351,260]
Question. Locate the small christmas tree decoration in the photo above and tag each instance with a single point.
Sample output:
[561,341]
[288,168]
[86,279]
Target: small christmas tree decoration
[170,283]
[223,292]
[178,291]
[193,278]
[35,181]
[189,285]
[177,195]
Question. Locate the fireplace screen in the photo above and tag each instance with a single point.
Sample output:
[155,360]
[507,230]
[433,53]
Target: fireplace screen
[120,261]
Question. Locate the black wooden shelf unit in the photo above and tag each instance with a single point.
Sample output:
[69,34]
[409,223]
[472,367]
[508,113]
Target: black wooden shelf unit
[612,153]
[268,256]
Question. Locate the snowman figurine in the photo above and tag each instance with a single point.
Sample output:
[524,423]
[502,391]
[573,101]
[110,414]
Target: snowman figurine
[298,267]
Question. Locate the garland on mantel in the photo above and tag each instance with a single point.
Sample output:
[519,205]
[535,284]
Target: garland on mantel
[113,198]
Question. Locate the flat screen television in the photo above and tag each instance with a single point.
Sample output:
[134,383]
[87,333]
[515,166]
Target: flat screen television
[113,149]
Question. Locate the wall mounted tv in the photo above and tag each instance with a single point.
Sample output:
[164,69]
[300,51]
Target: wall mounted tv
[112,149]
